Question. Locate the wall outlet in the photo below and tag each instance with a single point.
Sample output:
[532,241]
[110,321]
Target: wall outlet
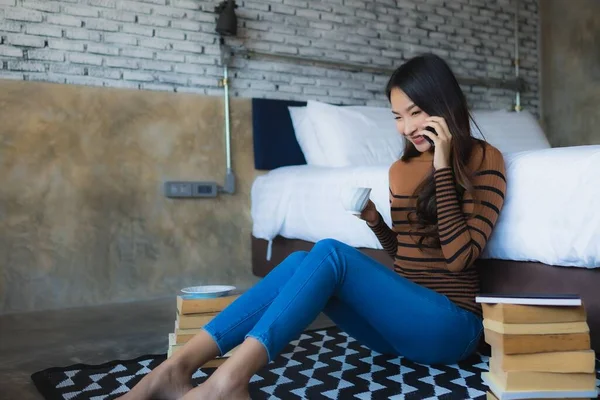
[190,189]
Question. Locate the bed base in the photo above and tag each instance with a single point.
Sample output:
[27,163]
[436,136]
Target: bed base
[496,276]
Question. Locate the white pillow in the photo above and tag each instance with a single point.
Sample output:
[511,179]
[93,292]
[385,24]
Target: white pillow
[510,131]
[351,135]
[306,135]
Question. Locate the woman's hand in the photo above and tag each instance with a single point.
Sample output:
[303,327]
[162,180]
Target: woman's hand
[442,141]
[370,214]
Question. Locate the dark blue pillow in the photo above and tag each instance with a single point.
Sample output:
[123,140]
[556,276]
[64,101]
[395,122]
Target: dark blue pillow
[275,143]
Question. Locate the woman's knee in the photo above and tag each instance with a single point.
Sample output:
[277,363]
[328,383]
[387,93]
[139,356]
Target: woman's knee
[289,265]
[296,257]
[327,244]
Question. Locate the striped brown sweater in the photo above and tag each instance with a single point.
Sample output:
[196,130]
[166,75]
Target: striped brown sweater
[447,268]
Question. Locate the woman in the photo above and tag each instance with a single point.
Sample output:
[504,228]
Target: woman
[446,194]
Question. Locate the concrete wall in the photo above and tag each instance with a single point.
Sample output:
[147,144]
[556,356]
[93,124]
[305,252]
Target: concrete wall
[570,71]
[83,219]
[171,45]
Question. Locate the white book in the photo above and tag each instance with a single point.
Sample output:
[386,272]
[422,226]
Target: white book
[538,394]
[530,299]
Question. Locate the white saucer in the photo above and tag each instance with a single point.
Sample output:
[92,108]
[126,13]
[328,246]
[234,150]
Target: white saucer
[207,291]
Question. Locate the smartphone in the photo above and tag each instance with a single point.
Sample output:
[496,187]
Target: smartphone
[430,129]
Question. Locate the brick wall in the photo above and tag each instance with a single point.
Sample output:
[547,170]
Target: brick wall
[171,45]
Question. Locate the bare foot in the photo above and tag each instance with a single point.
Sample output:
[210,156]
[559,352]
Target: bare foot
[167,382]
[220,388]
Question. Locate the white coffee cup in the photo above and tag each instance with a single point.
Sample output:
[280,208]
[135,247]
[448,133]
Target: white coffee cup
[355,199]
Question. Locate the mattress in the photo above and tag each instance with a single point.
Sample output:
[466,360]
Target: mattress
[551,212]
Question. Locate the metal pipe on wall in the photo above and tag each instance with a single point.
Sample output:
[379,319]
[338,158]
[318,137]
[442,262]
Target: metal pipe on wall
[229,185]
[517,61]
[512,84]
[227,117]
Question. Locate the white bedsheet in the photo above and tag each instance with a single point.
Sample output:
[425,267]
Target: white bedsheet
[551,212]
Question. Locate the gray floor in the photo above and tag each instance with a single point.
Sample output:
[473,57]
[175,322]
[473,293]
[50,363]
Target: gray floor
[35,341]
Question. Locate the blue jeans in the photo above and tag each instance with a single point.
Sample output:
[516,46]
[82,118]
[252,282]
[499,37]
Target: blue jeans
[370,302]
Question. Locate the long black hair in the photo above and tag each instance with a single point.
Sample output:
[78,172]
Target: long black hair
[430,83]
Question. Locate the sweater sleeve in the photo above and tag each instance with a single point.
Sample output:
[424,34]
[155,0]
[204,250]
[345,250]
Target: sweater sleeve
[463,236]
[386,236]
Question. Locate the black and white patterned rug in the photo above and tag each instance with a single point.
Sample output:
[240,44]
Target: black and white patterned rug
[324,364]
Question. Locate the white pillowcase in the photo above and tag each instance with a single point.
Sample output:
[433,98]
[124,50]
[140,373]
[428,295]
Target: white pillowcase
[344,136]
[341,136]
[510,131]
[306,135]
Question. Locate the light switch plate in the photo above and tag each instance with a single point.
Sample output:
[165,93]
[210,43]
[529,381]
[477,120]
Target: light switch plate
[190,189]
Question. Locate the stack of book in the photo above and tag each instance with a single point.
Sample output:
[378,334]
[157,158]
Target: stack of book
[192,314]
[540,347]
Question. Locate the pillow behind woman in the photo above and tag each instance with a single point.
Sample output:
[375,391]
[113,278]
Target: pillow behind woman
[342,136]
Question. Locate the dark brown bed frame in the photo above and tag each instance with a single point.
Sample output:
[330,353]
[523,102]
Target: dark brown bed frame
[496,276]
